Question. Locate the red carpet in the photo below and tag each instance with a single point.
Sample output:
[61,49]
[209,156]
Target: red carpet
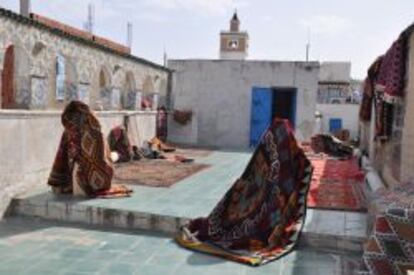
[337,185]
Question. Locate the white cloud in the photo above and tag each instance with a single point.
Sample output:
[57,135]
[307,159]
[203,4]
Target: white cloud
[327,24]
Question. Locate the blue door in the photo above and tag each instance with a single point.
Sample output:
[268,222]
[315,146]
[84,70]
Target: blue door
[335,124]
[261,113]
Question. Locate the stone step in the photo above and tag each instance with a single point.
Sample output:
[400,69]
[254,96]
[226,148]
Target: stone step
[64,209]
[324,230]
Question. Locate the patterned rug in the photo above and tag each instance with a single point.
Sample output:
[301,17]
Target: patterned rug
[261,216]
[336,170]
[191,152]
[390,248]
[337,185]
[82,165]
[347,196]
[155,173]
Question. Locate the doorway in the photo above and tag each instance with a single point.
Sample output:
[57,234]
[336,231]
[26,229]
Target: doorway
[7,80]
[284,104]
[267,104]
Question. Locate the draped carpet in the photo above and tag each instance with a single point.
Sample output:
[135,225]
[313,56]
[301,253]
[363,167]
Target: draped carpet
[261,216]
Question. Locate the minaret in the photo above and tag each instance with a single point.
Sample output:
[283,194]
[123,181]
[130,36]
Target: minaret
[234,43]
[235,23]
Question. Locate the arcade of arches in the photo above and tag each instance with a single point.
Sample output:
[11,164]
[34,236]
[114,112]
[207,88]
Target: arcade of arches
[45,70]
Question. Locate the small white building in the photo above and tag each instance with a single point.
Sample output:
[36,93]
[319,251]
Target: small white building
[233,101]
[335,100]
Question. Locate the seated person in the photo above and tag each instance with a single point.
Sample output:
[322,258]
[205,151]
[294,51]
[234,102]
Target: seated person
[118,142]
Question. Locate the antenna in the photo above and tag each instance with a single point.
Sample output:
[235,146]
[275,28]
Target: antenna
[165,58]
[308,46]
[89,24]
[129,34]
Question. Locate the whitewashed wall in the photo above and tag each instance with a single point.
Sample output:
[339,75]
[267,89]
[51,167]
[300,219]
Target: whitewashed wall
[347,112]
[335,72]
[219,94]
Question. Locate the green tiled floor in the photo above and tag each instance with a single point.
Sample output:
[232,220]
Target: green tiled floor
[33,247]
[192,197]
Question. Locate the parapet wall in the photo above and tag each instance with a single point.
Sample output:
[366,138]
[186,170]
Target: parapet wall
[29,141]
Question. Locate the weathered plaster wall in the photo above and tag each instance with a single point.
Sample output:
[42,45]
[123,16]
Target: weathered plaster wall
[407,144]
[219,93]
[29,141]
[335,72]
[347,112]
[36,52]
[394,160]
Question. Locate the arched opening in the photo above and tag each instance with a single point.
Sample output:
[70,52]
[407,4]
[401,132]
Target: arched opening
[148,86]
[38,48]
[105,92]
[129,92]
[60,77]
[103,80]
[8,99]
[163,100]
[72,83]
[148,93]
[22,80]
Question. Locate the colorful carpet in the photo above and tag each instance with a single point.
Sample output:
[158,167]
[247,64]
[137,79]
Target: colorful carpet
[336,170]
[82,159]
[337,196]
[390,248]
[337,185]
[261,216]
[155,173]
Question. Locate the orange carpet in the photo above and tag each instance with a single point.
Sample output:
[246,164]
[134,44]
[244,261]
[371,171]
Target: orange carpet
[337,185]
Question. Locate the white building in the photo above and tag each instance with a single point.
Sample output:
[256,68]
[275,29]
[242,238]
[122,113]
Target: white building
[233,100]
[335,100]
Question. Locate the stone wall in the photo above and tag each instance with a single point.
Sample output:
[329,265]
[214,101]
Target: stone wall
[30,140]
[36,51]
[219,93]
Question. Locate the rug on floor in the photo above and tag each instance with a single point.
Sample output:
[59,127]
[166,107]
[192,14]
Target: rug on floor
[347,196]
[155,173]
[337,185]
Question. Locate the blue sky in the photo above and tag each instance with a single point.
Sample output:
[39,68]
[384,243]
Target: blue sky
[350,30]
